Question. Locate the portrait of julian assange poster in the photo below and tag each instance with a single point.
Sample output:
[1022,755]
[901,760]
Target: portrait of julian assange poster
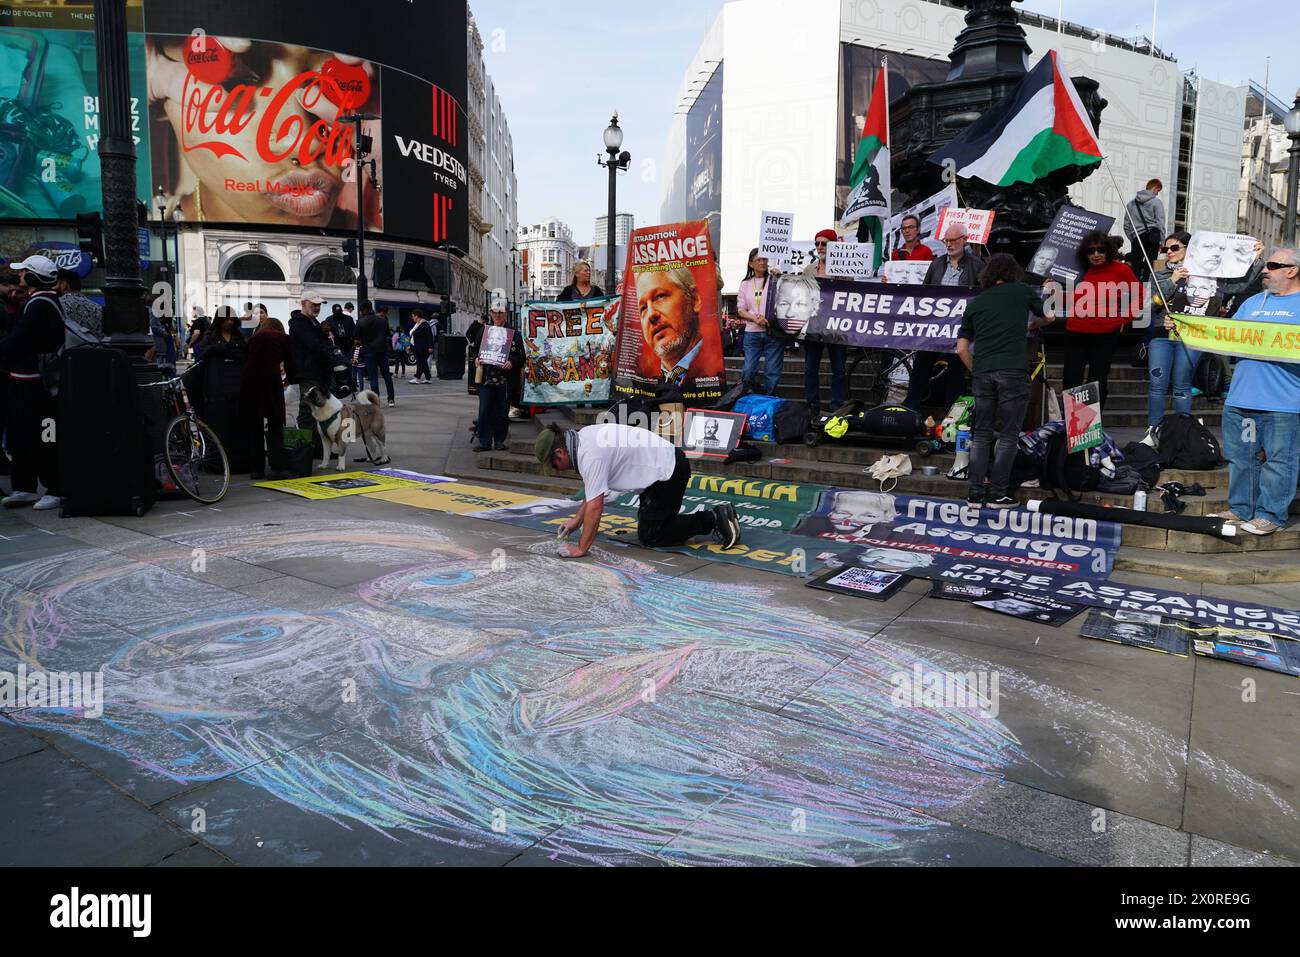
[669,330]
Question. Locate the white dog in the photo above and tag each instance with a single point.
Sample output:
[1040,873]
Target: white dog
[340,425]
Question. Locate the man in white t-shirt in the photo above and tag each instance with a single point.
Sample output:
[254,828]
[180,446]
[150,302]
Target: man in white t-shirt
[619,458]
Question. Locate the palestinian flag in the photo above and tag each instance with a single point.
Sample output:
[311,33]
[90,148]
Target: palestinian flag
[1038,128]
[868,202]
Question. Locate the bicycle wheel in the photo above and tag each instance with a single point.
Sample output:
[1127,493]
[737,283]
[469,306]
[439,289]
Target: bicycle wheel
[196,460]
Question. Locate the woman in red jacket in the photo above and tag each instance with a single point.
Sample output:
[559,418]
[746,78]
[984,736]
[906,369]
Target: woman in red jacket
[262,395]
[1106,298]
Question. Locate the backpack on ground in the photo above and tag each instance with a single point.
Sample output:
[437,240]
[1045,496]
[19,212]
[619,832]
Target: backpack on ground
[1185,443]
[1064,474]
[790,424]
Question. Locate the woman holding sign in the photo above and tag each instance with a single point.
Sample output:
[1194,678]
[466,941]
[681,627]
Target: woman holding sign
[760,343]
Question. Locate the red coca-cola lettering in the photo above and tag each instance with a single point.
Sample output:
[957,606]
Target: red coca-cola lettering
[207,60]
[213,110]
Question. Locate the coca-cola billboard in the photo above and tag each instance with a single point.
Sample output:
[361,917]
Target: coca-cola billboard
[247,107]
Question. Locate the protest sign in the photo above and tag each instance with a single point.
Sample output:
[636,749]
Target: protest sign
[1137,629]
[977,223]
[1259,651]
[1058,254]
[860,583]
[569,349]
[880,317]
[712,435]
[494,347]
[956,591]
[1219,255]
[802,255]
[1037,608]
[1083,418]
[904,272]
[850,260]
[668,329]
[923,530]
[318,487]
[774,235]
[1246,336]
[927,211]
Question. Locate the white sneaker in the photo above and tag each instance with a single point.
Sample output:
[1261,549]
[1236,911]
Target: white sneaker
[19,499]
[47,502]
[415,381]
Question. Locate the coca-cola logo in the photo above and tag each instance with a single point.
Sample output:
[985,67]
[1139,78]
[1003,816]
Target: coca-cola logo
[211,114]
[207,60]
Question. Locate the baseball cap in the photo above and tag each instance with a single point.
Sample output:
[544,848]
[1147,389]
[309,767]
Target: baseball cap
[498,304]
[42,266]
[319,300]
[545,445]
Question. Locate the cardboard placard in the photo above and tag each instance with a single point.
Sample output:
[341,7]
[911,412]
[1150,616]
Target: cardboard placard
[851,260]
[712,435]
[775,230]
[1083,417]
[978,223]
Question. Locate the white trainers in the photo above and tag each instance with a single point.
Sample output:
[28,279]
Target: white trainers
[415,381]
[19,499]
[47,502]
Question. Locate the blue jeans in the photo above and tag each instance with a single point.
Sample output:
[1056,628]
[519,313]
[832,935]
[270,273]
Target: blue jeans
[1255,489]
[812,361]
[1169,362]
[771,349]
[377,362]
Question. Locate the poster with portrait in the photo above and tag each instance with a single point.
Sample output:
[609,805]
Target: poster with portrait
[1137,629]
[1219,255]
[494,346]
[1058,254]
[712,435]
[1040,609]
[569,350]
[49,110]
[669,332]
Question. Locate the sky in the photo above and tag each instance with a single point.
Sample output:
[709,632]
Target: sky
[561,68]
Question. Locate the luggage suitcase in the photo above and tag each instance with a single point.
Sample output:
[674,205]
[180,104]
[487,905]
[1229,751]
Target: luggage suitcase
[106,446]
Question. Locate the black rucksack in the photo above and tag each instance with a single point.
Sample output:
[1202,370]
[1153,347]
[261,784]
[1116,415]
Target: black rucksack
[790,424]
[1145,460]
[1184,443]
[1065,475]
[1210,375]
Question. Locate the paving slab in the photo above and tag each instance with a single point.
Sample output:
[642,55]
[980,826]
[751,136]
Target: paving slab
[195,855]
[1207,852]
[16,741]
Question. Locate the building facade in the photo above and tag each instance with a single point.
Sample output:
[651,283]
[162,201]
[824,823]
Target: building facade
[748,137]
[624,223]
[548,251]
[1261,209]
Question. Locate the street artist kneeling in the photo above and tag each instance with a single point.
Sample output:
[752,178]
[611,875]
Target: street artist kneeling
[619,458]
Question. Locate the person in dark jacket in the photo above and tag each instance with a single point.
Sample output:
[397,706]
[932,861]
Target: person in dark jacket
[216,388]
[960,267]
[314,360]
[580,287]
[12,298]
[38,331]
[493,391]
[422,338]
[261,397]
[374,334]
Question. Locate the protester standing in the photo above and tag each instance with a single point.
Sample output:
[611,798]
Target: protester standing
[1106,298]
[613,457]
[1170,363]
[813,349]
[961,267]
[422,344]
[995,323]
[1262,411]
[1144,224]
[31,426]
[912,248]
[580,286]
[217,385]
[494,389]
[313,359]
[261,397]
[761,344]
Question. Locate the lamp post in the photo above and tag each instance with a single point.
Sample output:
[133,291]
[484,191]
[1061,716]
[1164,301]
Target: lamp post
[1292,123]
[616,161]
[514,285]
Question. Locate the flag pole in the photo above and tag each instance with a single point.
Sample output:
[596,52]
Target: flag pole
[879,254]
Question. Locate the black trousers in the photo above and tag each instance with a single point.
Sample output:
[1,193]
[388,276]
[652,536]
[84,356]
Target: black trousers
[260,425]
[1090,351]
[422,364]
[308,421]
[493,415]
[657,520]
[31,423]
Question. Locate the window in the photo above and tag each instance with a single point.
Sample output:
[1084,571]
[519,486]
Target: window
[330,271]
[254,267]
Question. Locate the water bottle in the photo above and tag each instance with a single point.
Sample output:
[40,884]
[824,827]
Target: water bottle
[1140,500]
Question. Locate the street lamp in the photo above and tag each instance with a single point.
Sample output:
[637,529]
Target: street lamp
[514,284]
[617,161]
[1292,123]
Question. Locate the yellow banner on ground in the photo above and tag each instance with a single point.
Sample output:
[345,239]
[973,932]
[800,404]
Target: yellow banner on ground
[455,497]
[341,484]
[1271,341]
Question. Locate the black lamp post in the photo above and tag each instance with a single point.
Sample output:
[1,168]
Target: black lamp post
[1292,123]
[126,316]
[514,285]
[616,161]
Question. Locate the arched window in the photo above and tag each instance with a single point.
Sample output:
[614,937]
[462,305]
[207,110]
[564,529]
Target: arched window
[254,268]
[330,271]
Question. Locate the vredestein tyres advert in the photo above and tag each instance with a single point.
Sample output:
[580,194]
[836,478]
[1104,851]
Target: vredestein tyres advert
[238,110]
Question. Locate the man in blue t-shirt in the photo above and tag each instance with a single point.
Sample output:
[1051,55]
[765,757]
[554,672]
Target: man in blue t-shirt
[1262,411]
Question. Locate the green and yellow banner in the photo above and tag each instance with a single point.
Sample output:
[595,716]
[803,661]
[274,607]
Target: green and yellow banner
[1247,339]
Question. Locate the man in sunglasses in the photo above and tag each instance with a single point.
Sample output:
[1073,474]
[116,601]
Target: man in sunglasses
[1262,411]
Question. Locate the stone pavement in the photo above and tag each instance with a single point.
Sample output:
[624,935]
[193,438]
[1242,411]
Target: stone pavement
[357,682]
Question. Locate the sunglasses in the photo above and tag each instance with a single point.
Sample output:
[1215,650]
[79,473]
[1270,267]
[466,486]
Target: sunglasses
[1170,249]
[1272,265]
[1095,249]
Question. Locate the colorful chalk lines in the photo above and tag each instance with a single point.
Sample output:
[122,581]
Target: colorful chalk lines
[466,708]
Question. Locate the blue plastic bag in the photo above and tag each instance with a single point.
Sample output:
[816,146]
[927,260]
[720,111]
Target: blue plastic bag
[760,412]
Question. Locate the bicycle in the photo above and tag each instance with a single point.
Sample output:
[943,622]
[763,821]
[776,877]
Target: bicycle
[195,457]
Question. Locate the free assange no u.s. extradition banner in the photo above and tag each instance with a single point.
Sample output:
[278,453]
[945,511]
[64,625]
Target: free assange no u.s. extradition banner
[668,331]
[872,315]
[569,349]
[1247,338]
